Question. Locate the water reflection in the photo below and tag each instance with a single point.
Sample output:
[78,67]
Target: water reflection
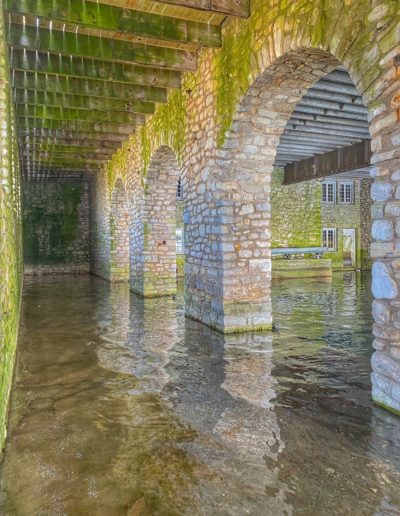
[123,406]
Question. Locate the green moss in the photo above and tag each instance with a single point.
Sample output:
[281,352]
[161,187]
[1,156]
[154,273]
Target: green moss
[295,213]
[387,407]
[71,198]
[51,224]
[232,74]
[145,147]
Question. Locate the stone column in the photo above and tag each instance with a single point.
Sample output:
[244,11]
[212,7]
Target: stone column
[119,232]
[153,271]
[385,248]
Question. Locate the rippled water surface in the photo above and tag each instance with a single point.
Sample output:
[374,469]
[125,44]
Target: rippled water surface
[123,407]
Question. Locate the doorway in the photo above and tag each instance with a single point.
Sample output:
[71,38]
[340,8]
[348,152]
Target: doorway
[349,247]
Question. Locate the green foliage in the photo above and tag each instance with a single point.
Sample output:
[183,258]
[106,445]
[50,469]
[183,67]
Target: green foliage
[233,73]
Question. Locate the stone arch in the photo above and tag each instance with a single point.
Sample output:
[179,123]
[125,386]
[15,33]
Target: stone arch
[229,285]
[119,233]
[154,253]
[234,291]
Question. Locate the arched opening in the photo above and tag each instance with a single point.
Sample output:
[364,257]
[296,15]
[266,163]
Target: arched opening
[320,192]
[154,248]
[229,268]
[119,233]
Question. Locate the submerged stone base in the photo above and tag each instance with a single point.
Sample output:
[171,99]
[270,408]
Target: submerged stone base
[232,317]
[149,284]
[386,384]
[301,268]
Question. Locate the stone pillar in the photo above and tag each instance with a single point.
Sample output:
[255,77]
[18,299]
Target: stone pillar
[385,248]
[119,232]
[153,271]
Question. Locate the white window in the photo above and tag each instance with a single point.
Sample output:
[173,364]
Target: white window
[346,192]
[329,191]
[179,189]
[329,239]
[179,240]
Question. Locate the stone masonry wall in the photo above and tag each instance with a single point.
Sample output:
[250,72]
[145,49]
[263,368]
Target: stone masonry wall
[154,239]
[10,236]
[295,213]
[342,216]
[224,127]
[56,226]
[365,223]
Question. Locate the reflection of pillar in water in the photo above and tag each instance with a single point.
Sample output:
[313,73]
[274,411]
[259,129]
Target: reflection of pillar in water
[136,335]
[113,328]
[222,388]
[252,427]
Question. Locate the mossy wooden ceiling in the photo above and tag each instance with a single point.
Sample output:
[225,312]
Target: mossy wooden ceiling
[85,74]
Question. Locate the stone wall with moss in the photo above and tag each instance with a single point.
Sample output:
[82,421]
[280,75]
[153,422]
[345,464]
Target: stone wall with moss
[265,66]
[10,237]
[295,213]
[56,225]
[355,216]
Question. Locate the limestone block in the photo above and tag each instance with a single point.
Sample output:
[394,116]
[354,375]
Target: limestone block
[382,230]
[383,285]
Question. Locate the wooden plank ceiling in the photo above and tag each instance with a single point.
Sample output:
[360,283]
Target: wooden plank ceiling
[85,74]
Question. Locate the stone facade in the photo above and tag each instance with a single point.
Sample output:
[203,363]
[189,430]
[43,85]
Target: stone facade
[224,126]
[56,225]
[357,216]
[10,236]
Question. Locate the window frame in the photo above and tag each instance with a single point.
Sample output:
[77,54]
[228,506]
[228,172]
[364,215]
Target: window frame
[326,184]
[344,184]
[179,190]
[180,243]
[334,231]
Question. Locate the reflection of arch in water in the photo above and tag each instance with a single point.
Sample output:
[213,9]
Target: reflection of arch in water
[119,231]
[154,262]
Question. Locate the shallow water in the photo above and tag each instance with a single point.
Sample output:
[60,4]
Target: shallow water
[122,406]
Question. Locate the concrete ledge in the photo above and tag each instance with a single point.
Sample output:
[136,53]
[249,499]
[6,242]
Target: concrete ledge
[301,268]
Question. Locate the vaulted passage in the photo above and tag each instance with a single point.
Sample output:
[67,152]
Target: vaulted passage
[185,187]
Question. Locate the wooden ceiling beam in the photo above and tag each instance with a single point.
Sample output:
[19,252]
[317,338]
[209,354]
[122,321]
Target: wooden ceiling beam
[37,155]
[95,47]
[92,69]
[89,88]
[95,15]
[76,163]
[42,135]
[75,126]
[83,115]
[239,8]
[336,161]
[102,104]
[33,147]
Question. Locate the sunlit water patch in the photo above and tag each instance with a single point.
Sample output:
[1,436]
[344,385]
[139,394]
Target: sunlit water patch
[121,406]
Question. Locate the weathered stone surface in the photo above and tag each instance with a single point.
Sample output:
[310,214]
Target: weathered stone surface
[383,285]
[380,312]
[381,191]
[10,236]
[382,230]
[226,142]
[56,225]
